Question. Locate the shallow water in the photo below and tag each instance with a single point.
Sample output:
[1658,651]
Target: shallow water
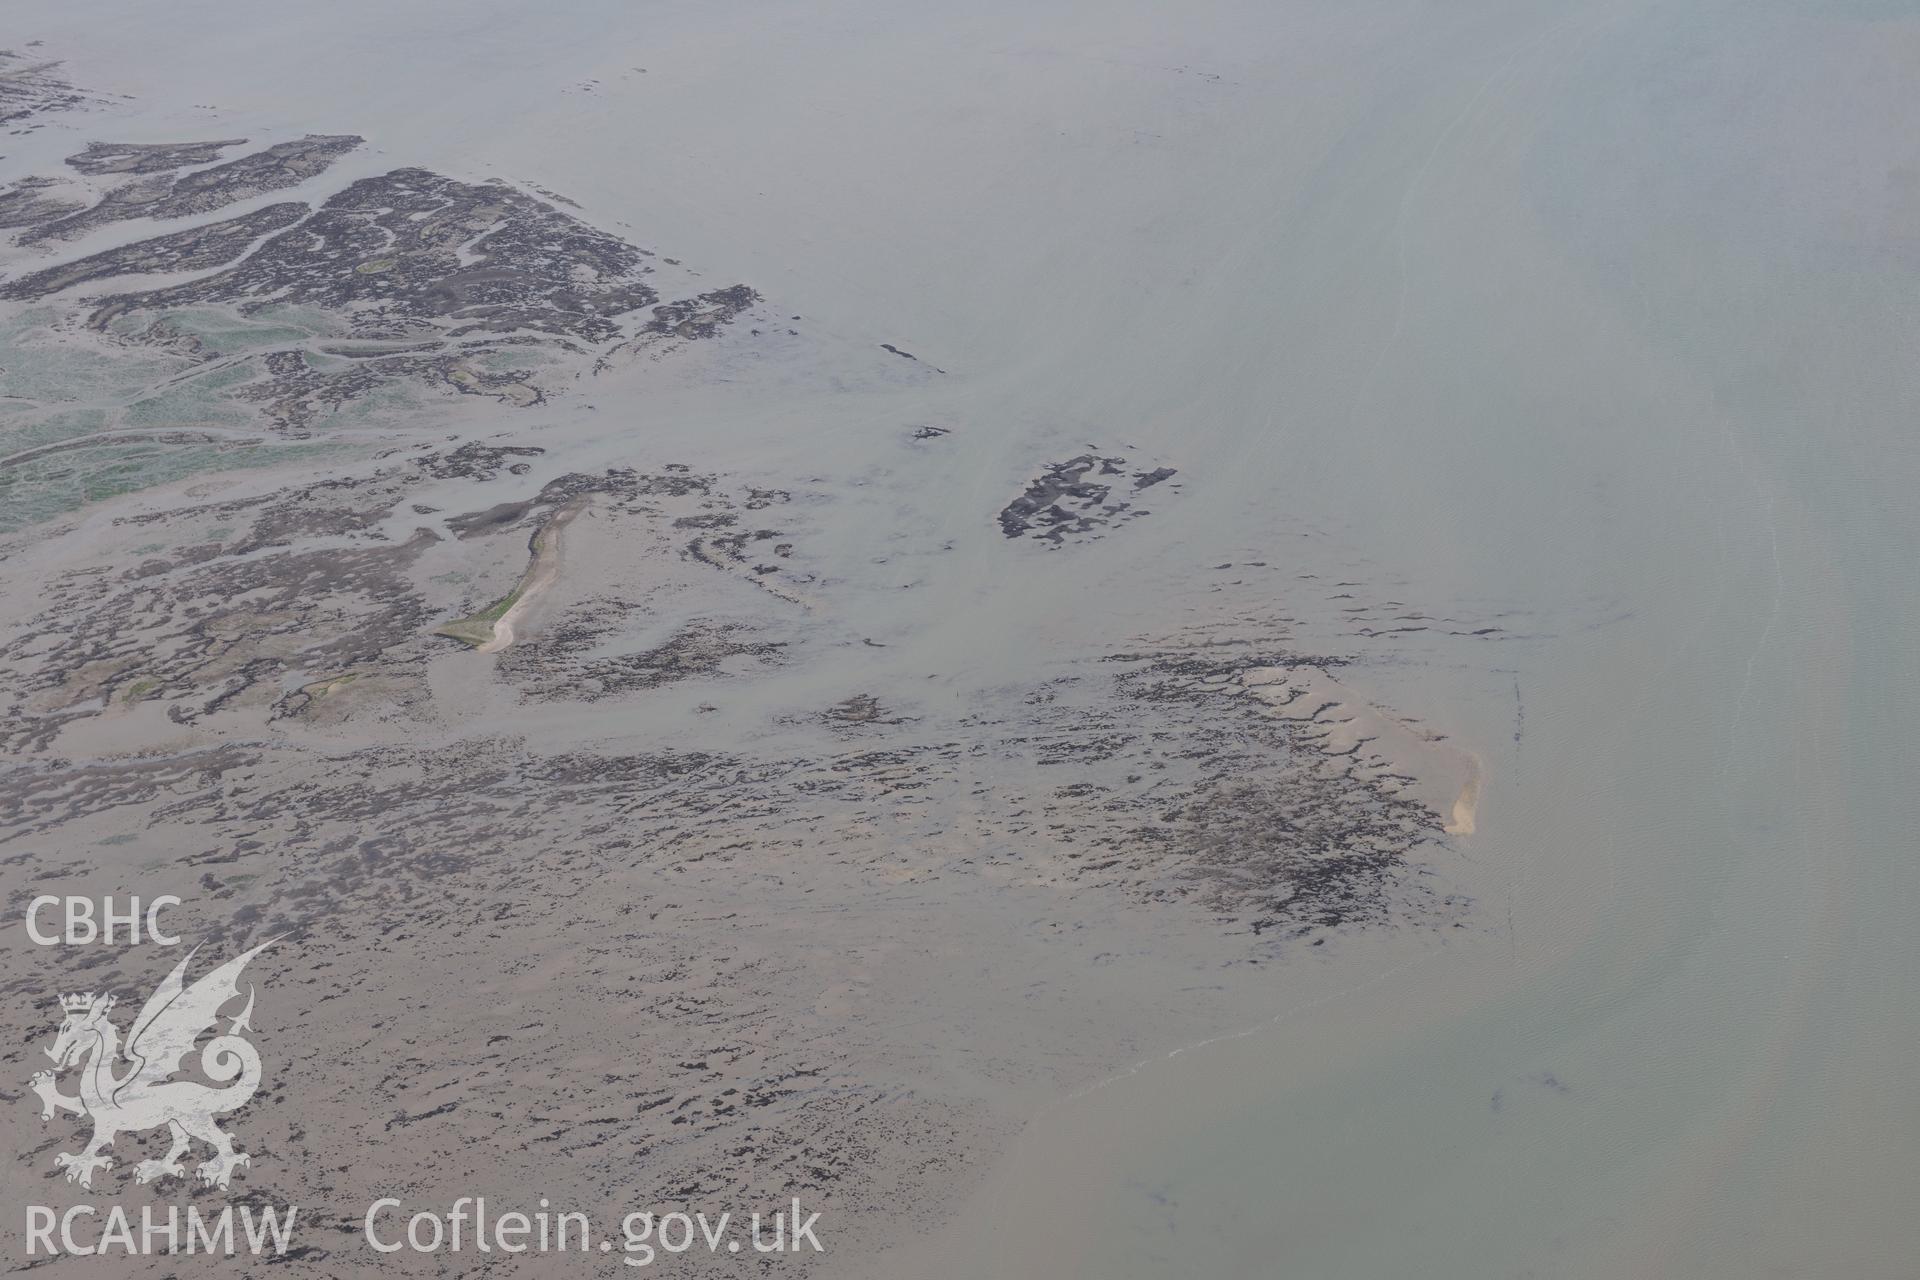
[1618,342]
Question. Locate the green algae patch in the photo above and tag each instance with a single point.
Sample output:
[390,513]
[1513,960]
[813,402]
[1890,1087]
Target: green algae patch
[477,628]
[330,684]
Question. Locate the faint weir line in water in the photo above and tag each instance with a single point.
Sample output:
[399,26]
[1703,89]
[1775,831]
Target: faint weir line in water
[1144,1064]
[1773,614]
[1127,1073]
[1529,45]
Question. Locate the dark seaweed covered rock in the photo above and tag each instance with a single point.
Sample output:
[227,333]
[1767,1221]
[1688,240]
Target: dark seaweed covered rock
[1076,499]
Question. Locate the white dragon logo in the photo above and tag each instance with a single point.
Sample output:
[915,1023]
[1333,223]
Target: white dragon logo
[165,1032]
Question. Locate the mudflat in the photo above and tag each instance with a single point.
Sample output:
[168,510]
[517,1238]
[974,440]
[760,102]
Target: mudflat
[1155,643]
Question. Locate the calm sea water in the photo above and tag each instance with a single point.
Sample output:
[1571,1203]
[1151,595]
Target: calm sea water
[1605,314]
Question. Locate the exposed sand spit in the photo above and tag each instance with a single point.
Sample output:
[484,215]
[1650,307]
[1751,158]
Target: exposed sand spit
[491,630]
[1376,745]
[541,572]
[1467,804]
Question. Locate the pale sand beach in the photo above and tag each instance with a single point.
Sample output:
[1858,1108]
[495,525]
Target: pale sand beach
[541,572]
